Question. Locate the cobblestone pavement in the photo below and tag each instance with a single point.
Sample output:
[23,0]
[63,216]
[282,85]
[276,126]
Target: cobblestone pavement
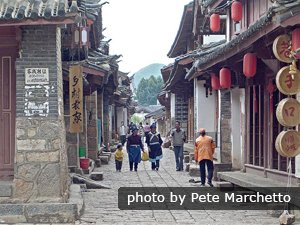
[102,204]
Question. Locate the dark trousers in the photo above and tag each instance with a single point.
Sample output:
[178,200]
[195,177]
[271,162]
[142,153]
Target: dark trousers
[155,164]
[118,165]
[122,139]
[210,170]
[131,166]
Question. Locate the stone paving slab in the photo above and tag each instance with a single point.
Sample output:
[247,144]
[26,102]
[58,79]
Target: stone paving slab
[101,206]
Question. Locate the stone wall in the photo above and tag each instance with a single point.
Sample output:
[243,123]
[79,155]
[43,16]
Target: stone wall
[41,161]
[225,125]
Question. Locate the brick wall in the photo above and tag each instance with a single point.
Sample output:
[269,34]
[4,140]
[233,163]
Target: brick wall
[225,126]
[41,160]
[38,50]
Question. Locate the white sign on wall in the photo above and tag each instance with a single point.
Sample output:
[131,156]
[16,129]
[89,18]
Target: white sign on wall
[36,76]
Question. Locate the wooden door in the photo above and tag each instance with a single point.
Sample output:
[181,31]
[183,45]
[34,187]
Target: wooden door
[7,111]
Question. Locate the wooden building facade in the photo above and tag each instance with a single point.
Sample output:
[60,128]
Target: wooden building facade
[252,102]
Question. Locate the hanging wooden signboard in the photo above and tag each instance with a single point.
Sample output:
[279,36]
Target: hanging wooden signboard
[281,48]
[287,83]
[288,112]
[76,99]
[288,143]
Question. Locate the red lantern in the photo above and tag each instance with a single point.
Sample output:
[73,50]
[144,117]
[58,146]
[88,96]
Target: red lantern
[215,82]
[237,11]
[249,64]
[215,22]
[225,78]
[296,41]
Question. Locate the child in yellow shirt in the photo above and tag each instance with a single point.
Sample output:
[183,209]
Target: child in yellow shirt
[119,157]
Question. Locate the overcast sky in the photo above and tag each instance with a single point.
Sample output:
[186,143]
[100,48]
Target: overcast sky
[142,31]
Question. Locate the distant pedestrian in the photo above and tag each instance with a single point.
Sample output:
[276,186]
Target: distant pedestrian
[122,133]
[154,143]
[119,155]
[147,129]
[141,131]
[130,127]
[178,138]
[204,151]
[134,148]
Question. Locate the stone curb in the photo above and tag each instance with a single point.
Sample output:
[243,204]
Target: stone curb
[77,198]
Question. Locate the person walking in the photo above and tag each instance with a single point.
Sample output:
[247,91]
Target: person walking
[154,142]
[134,147]
[204,151]
[119,155]
[122,133]
[147,129]
[141,131]
[178,138]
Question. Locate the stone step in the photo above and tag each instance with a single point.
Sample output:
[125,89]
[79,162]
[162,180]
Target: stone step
[187,167]
[5,188]
[192,157]
[186,159]
[194,170]
[108,154]
[96,176]
[104,159]
[223,185]
[38,213]
[98,163]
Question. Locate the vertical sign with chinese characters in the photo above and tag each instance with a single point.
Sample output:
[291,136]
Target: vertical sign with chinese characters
[76,99]
[287,142]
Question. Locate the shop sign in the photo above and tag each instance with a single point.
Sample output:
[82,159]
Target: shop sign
[288,112]
[288,143]
[76,99]
[36,76]
[281,48]
[287,82]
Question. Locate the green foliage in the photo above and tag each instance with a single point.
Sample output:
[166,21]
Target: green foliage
[148,90]
[136,119]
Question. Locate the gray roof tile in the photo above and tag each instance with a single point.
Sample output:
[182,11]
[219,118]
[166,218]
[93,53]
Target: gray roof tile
[33,9]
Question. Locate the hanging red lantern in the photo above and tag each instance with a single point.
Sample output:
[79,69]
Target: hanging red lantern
[215,82]
[237,11]
[225,78]
[249,64]
[215,22]
[296,41]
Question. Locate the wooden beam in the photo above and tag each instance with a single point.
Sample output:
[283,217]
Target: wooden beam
[41,21]
[93,71]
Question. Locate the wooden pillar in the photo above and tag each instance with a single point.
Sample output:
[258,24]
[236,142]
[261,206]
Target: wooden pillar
[92,131]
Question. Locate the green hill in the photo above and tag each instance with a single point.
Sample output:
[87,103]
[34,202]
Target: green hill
[146,72]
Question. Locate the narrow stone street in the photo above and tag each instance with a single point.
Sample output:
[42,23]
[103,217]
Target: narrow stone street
[101,205]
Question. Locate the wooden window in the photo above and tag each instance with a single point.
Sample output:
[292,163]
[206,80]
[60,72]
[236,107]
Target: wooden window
[256,153]
[264,129]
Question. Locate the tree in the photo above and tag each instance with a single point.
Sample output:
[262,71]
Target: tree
[148,90]
[136,119]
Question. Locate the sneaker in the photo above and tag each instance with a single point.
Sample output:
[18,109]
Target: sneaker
[202,185]
[177,169]
[156,168]
[210,184]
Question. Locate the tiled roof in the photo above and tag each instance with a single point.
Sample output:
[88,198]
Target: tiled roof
[23,9]
[47,9]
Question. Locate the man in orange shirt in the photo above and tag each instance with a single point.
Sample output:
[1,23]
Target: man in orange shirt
[204,151]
